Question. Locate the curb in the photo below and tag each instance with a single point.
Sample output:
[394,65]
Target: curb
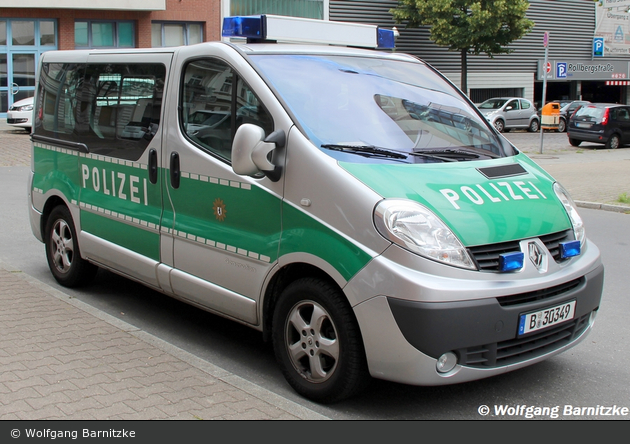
[605,207]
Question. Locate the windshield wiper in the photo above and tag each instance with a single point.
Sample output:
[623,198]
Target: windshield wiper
[461,153]
[364,150]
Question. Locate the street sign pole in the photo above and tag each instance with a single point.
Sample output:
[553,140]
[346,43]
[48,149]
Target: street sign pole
[544,91]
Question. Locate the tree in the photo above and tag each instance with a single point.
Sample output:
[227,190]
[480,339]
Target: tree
[468,26]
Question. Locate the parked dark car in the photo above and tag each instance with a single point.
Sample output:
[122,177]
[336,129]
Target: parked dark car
[567,108]
[605,123]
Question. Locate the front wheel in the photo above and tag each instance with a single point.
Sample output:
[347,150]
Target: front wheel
[499,125]
[533,126]
[317,342]
[562,126]
[62,250]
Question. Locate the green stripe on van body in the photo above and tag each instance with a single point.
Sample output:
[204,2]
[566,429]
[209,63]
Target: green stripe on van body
[56,168]
[229,215]
[480,211]
[128,234]
[303,234]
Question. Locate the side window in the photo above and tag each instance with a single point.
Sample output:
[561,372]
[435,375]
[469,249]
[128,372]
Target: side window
[525,104]
[114,109]
[513,104]
[56,100]
[214,103]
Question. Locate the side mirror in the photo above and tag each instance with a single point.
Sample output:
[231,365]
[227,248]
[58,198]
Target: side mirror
[250,151]
[509,108]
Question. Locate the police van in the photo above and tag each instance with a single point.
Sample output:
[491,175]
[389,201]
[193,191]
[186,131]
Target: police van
[345,200]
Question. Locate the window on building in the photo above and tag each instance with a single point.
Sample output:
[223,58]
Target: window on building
[294,8]
[175,34]
[104,34]
[3,33]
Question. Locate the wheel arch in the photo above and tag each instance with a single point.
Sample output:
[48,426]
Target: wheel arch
[51,203]
[286,274]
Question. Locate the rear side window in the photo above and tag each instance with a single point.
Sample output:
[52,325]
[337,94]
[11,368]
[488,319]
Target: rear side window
[113,109]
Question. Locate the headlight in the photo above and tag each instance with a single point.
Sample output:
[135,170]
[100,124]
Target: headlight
[417,229]
[570,207]
[26,108]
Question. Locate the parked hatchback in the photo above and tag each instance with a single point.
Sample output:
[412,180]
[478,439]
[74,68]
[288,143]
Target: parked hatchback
[605,123]
[507,113]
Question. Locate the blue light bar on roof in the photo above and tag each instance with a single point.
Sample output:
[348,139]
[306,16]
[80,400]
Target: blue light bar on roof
[300,30]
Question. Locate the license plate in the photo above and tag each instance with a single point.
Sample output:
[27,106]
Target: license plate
[546,317]
[583,125]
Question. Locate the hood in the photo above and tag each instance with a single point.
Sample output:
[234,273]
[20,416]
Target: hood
[483,202]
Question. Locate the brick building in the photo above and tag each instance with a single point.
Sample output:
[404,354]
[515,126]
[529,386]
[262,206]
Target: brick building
[31,27]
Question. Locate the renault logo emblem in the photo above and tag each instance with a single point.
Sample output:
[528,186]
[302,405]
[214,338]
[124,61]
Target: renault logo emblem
[535,255]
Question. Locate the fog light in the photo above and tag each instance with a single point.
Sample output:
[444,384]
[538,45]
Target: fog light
[446,362]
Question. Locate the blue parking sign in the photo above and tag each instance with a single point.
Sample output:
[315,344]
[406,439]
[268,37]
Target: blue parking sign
[561,70]
[598,46]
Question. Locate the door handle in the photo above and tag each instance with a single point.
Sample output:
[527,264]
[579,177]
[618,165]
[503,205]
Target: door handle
[175,169]
[153,168]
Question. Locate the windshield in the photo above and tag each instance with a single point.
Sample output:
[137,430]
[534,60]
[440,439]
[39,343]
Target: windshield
[493,104]
[364,109]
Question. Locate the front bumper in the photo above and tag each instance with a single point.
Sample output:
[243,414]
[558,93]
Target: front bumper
[415,317]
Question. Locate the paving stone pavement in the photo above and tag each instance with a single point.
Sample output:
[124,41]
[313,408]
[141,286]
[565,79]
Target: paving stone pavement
[63,359]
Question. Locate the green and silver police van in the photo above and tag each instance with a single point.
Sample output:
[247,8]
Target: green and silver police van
[349,203]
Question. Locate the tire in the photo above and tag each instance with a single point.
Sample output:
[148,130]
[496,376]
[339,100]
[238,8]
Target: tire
[613,142]
[317,342]
[562,126]
[533,126]
[62,250]
[575,142]
[499,125]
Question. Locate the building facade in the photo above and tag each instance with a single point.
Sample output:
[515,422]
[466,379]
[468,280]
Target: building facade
[571,25]
[27,29]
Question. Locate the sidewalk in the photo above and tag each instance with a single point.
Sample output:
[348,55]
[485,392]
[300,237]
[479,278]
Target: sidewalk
[63,359]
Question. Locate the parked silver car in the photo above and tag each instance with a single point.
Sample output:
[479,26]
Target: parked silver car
[507,113]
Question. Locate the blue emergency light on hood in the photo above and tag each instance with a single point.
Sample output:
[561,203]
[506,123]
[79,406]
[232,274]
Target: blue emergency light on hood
[275,28]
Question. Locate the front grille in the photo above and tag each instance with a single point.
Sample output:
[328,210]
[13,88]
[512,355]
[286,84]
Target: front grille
[553,241]
[538,295]
[521,349]
[487,256]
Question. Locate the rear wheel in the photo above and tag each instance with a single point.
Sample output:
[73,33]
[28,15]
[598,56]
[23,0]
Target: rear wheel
[317,342]
[575,142]
[613,142]
[62,250]
[533,126]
